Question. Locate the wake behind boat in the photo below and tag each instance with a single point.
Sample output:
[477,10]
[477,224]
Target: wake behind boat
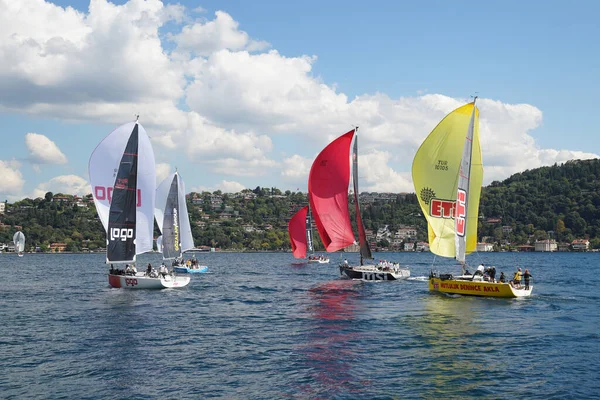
[122,174]
[448,173]
[328,195]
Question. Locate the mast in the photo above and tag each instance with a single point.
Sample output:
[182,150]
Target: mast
[365,250]
[309,237]
[462,193]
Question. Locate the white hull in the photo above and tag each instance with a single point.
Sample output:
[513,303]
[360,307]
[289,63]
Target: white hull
[318,261]
[140,281]
[375,273]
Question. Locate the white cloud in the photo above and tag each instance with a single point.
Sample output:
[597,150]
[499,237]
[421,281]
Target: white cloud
[162,171]
[59,56]
[109,64]
[207,37]
[68,184]
[12,180]
[375,175]
[43,150]
[224,186]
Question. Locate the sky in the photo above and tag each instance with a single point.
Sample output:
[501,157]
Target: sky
[240,94]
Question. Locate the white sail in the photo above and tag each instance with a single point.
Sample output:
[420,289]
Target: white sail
[19,241]
[162,192]
[159,244]
[103,167]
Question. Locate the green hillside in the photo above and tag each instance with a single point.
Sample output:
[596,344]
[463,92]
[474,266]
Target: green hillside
[560,202]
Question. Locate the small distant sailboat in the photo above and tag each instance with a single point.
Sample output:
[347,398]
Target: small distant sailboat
[173,220]
[301,238]
[123,177]
[448,173]
[328,195]
[19,241]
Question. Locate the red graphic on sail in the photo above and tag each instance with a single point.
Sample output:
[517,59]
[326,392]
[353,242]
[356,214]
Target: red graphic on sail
[297,232]
[328,193]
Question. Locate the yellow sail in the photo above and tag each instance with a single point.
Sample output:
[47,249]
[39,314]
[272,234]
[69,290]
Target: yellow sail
[435,172]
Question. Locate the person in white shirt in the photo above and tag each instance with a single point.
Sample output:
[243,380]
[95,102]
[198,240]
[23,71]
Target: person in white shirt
[163,270]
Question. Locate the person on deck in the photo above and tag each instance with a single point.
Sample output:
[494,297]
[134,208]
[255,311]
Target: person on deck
[517,278]
[492,274]
[133,269]
[502,278]
[163,270]
[479,271]
[149,269]
[526,277]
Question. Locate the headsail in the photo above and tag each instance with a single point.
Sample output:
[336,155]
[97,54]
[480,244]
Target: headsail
[19,241]
[435,169]
[121,230]
[328,193]
[297,232]
[365,249]
[103,167]
[172,217]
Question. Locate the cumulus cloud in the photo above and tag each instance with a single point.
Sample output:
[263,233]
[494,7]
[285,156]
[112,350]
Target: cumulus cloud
[68,184]
[206,37]
[110,63]
[224,186]
[12,180]
[162,171]
[43,150]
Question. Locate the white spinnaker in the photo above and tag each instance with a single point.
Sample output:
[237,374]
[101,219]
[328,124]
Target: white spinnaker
[162,191]
[103,167]
[19,241]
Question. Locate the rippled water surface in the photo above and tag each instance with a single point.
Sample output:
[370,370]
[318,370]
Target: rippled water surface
[260,326]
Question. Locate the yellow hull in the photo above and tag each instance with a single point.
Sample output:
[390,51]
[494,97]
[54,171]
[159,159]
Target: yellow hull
[476,288]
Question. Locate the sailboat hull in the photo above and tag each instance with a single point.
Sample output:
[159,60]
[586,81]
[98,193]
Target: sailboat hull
[313,261]
[372,273]
[140,281]
[192,270]
[476,288]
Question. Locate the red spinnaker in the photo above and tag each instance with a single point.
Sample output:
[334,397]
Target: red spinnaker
[328,193]
[297,232]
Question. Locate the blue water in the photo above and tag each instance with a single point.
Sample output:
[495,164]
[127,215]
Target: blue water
[259,327]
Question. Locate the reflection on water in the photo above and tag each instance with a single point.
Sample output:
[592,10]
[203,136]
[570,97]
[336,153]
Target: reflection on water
[329,349]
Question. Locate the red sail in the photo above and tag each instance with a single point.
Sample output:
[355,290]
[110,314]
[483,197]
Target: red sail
[297,231]
[328,193]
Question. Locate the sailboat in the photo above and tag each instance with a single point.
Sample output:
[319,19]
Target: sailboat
[301,238]
[328,197]
[123,177]
[172,218]
[447,174]
[19,241]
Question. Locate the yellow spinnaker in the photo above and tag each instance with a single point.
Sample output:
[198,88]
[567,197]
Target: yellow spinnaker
[435,172]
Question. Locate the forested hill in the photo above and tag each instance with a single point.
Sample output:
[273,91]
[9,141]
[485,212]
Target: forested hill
[561,202]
